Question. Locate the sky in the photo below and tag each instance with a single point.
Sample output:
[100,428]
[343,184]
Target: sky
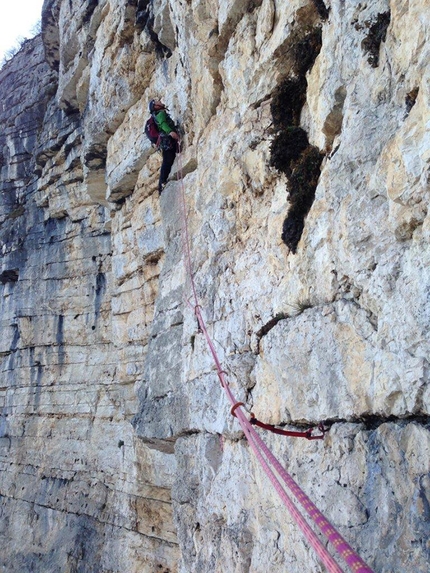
[17,18]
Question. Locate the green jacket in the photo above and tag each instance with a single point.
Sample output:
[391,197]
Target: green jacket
[164,122]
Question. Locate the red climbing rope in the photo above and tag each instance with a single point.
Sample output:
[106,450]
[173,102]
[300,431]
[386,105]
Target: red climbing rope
[268,461]
[306,434]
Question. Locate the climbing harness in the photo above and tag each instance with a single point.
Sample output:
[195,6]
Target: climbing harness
[268,461]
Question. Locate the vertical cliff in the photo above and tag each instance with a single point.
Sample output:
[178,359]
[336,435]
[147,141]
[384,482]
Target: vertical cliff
[306,173]
[74,494]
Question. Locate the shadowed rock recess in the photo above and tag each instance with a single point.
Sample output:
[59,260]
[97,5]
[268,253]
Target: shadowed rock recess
[306,119]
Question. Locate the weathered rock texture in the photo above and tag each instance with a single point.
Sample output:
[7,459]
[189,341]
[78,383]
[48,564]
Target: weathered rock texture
[306,120]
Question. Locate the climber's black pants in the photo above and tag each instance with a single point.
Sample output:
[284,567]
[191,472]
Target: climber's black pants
[168,159]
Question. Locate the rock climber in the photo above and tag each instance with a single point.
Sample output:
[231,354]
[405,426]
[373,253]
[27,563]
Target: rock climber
[169,139]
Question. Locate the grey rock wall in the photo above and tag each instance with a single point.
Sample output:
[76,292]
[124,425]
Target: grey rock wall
[74,494]
[305,167]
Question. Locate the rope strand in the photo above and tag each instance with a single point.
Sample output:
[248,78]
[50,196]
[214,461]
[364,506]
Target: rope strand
[262,452]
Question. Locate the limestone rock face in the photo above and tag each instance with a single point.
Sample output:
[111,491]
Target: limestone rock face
[68,450]
[118,451]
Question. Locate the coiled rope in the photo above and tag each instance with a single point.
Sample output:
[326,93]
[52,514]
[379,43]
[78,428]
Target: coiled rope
[267,459]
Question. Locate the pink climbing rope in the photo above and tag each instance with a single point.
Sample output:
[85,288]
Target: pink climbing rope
[353,560]
[262,452]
